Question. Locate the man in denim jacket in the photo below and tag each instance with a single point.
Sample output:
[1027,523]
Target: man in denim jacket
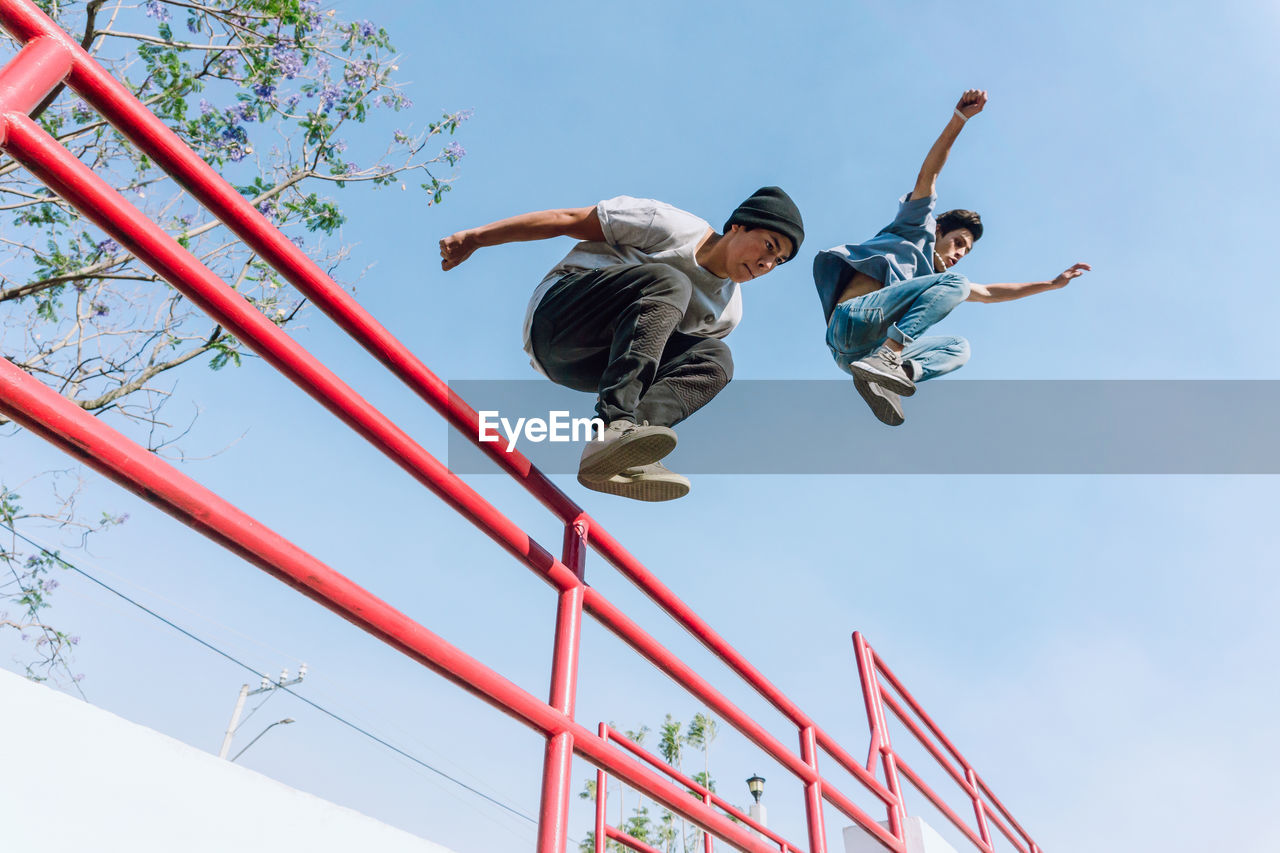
[880,296]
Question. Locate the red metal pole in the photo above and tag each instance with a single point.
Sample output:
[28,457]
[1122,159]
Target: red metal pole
[879,732]
[557,766]
[602,794]
[708,844]
[813,792]
[979,811]
[31,75]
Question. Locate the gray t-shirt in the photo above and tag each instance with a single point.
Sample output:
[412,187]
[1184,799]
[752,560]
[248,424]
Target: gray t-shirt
[644,231]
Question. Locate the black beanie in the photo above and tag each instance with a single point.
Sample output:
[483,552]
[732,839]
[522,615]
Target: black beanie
[773,209]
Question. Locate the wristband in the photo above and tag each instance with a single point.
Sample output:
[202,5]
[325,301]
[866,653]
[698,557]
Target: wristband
[961,115]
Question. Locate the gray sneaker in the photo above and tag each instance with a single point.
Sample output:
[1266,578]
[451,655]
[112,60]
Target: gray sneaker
[624,445]
[652,482]
[885,404]
[884,368]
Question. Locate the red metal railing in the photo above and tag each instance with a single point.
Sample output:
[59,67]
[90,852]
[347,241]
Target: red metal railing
[49,57]
[987,809]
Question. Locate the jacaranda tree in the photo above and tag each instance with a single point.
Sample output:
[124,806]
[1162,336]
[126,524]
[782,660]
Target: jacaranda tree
[288,101]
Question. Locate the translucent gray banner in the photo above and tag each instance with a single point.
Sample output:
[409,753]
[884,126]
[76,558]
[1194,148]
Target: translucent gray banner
[952,427]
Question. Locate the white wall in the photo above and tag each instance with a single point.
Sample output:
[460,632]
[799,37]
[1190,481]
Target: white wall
[920,838]
[76,778]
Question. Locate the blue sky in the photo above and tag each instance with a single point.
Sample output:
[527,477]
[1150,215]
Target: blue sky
[1100,647]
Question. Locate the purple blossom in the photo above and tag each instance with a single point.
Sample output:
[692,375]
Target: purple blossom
[356,72]
[322,64]
[463,115]
[157,10]
[108,247]
[235,143]
[329,96]
[289,62]
[351,169]
[100,309]
[265,91]
[453,152]
[368,29]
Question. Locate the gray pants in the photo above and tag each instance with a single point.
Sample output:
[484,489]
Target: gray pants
[612,332]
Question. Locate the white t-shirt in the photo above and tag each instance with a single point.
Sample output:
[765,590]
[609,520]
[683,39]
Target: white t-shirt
[644,231]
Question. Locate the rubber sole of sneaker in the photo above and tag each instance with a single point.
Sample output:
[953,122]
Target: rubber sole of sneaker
[633,451]
[882,407]
[897,384]
[641,488]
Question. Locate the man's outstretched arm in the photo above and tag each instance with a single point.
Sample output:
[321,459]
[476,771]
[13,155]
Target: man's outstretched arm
[1005,292]
[581,223]
[971,103]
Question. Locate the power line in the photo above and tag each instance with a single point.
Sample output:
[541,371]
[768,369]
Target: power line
[292,692]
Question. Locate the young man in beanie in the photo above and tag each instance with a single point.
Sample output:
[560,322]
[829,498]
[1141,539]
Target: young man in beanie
[880,296]
[635,314]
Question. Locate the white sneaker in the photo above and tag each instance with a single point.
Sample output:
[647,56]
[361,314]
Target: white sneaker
[624,445]
[652,482]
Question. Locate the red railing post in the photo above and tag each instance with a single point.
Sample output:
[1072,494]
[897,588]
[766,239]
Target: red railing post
[553,829]
[879,732]
[708,843]
[813,792]
[979,812]
[602,794]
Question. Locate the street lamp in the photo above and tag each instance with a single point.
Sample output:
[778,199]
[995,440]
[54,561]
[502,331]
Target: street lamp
[757,811]
[283,722]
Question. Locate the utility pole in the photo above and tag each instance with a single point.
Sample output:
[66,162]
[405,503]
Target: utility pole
[266,686]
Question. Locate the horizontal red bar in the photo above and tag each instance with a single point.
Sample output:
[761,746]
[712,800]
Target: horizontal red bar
[635,844]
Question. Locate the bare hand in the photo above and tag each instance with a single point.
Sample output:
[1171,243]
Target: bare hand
[972,102]
[1074,271]
[455,249]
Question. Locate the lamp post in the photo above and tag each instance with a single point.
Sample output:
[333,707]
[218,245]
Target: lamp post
[757,812]
[283,722]
[245,693]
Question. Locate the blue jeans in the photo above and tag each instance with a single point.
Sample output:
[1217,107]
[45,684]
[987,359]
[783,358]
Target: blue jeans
[902,311]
